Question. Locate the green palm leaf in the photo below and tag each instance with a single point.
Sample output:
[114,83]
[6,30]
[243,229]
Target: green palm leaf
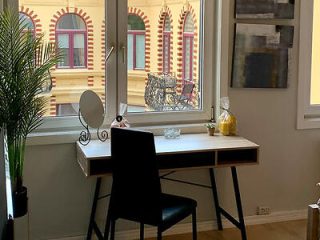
[25,63]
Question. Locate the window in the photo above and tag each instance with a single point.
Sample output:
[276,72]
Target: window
[133,31]
[188,39]
[67,109]
[166,44]
[136,43]
[71,36]
[29,25]
[309,74]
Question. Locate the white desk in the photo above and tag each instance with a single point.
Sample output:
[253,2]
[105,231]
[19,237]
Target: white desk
[201,150]
[187,151]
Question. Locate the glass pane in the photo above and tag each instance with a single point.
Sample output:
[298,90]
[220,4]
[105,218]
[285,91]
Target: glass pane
[135,23]
[167,24]
[187,59]
[79,25]
[78,50]
[67,109]
[26,21]
[130,51]
[63,40]
[71,21]
[63,43]
[140,51]
[78,40]
[157,73]
[188,25]
[166,53]
[78,57]
[65,59]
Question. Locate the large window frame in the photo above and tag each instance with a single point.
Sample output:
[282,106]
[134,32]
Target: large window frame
[116,72]
[207,71]
[308,115]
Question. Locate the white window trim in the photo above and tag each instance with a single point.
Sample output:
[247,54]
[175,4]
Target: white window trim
[308,116]
[208,75]
[211,91]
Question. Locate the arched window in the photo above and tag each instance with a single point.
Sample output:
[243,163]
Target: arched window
[188,38]
[71,35]
[27,22]
[136,42]
[166,44]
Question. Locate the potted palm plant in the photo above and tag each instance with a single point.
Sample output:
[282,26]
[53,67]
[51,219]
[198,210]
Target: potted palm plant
[25,63]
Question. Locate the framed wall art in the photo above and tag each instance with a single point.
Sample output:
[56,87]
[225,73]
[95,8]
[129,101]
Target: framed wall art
[265,9]
[261,55]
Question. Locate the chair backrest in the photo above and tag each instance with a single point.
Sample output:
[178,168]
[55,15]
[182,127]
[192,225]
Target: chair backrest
[136,186]
[187,89]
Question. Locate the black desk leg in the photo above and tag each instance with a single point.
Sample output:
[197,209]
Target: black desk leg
[93,209]
[238,201]
[108,223]
[215,198]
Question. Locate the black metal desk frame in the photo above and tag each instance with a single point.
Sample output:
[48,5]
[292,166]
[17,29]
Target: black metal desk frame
[219,210]
[190,151]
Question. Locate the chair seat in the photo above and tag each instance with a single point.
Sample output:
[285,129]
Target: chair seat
[175,208]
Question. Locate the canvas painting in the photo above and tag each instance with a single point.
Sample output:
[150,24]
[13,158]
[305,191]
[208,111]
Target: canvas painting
[261,55]
[267,9]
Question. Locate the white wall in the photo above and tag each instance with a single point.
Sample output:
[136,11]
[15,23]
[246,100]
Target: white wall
[60,196]
[289,161]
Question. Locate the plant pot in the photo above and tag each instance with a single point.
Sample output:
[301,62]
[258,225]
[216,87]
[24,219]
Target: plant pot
[211,131]
[20,202]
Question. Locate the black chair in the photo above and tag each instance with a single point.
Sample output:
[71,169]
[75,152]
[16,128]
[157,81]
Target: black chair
[183,100]
[136,190]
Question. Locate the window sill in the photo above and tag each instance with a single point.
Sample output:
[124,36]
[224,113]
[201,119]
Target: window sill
[48,138]
[308,123]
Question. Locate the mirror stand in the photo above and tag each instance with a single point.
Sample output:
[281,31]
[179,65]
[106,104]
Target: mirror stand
[85,135]
[103,135]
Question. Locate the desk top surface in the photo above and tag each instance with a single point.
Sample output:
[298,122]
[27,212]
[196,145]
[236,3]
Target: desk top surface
[186,143]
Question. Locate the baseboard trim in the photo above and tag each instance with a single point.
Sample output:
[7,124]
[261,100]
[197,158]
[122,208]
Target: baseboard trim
[208,225]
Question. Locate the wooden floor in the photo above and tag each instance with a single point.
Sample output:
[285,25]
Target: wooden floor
[292,230]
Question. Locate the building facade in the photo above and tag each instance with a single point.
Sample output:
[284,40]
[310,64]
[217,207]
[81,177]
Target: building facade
[163,37]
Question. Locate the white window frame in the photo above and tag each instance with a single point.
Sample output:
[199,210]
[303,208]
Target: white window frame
[116,38]
[308,116]
[206,64]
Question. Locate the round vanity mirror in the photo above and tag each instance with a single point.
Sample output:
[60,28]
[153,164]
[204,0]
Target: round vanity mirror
[91,109]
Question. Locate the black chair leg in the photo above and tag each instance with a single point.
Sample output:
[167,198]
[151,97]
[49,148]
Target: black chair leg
[141,231]
[194,225]
[159,237]
[113,229]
